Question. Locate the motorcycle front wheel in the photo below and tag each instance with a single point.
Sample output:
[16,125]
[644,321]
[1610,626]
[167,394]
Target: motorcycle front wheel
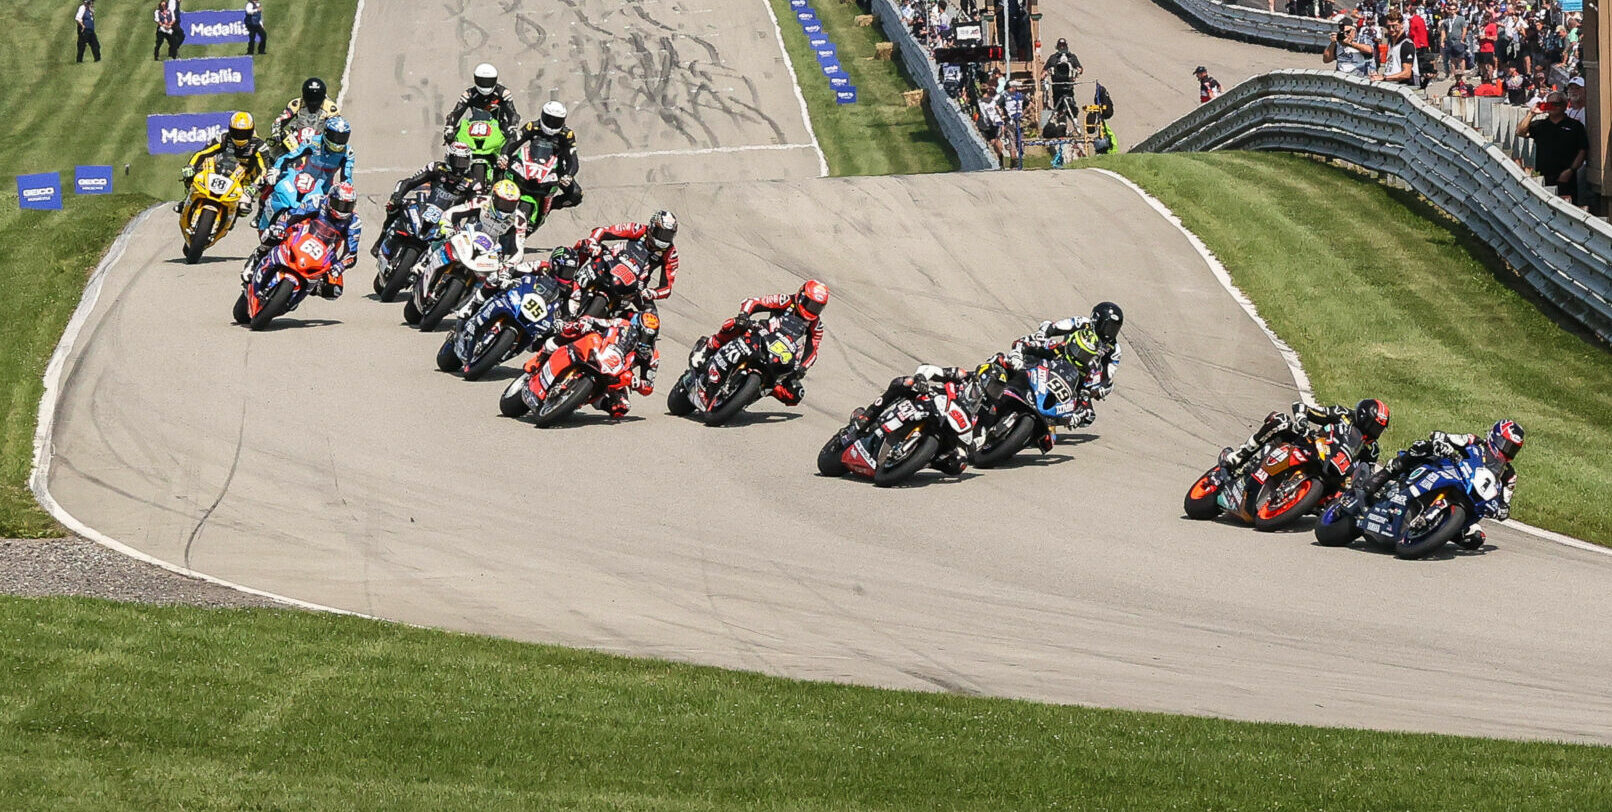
[447,358]
[279,301]
[452,292]
[564,398]
[828,460]
[402,268]
[724,410]
[201,235]
[1335,528]
[1419,542]
[1002,443]
[487,354]
[900,459]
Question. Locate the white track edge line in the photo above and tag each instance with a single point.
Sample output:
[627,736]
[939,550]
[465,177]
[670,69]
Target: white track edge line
[662,153]
[794,84]
[352,48]
[1294,365]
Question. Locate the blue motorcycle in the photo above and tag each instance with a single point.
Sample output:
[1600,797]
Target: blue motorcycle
[508,323]
[1025,406]
[290,192]
[1422,510]
[409,239]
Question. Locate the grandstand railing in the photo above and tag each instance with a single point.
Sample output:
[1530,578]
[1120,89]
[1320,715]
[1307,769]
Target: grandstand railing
[957,126]
[1562,252]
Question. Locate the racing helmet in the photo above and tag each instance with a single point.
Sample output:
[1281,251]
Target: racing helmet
[1371,418]
[811,299]
[928,372]
[337,133]
[241,130]
[314,94]
[1063,44]
[563,264]
[662,230]
[501,204]
[1505,439]
[458,157]
[340,202]
[1106,319]
[486,78]
[647,322]
[552,120]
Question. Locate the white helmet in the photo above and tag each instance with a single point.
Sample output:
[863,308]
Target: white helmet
[928,372]
[552,119]
[486,78]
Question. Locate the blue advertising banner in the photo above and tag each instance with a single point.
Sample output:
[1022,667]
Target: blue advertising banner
[831,66]
[817,41]
[1572,5]
[806,15]
[797,5]
[214,27]
[846,96]
[42,190]
[92,180]
[811,28]
[183,132]
[195,77]
[827,52]
[839,81]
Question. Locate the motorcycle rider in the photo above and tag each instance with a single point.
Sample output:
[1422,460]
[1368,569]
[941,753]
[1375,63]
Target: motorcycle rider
[240,142]
[497,215]
[484,94]
[808,303]
[451,174]
[1503,442]
[562,264]
[1369,417]
[952,460]
[550,128]
[657,237]
[335,209]
[1068,338]
[311,109]
[647,326]
[329,158]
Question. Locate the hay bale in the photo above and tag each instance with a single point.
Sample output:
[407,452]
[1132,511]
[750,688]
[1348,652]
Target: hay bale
[864,20]
[883,50]
[914,98]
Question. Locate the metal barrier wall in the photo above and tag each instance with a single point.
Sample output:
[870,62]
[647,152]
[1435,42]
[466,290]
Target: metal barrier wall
[1560,250]
[972,151]
[1256,24]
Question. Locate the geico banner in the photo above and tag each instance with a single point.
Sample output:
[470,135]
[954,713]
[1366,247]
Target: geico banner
[92,180]
[183,132]
[215,27]
[224,74]
[40,191]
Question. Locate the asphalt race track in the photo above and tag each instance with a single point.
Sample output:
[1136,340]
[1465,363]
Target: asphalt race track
[329,461]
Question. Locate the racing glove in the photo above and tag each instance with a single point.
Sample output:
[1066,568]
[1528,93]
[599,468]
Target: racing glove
[1442,445]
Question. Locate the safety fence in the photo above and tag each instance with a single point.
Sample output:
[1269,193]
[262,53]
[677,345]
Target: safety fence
[956,125]
[1256,24]
[1562,252]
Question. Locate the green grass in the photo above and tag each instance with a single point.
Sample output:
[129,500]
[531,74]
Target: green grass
[108,705]
[60,114]
[880,134]
[1383,298]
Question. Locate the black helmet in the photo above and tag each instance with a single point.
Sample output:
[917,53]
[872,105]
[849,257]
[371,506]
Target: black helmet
[1371,418]
[1106,319]
[458,157]
[563,264]
[313,93]
[1063,44]
[662,230]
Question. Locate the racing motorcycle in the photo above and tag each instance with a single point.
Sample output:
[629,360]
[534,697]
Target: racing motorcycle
[1291,480]
[1023,406]
[583,371]
[486,139]
[213,204]
[734,376]
[514,321]
[292,191]
[610,280]
[535,169]
[906,438]
[288,273]
[408,240]
[460,261]
[1417,513]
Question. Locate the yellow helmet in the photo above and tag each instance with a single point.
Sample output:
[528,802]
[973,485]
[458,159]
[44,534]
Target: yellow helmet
[504,199]
[241,129]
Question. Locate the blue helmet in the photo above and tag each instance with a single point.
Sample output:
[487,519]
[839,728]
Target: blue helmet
[337,132]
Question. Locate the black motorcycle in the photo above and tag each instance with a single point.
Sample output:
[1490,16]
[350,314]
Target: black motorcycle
[409,239]
[736,375]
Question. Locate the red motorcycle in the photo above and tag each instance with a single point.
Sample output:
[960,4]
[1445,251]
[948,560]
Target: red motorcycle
[305,257]
[595,368]
[608,281]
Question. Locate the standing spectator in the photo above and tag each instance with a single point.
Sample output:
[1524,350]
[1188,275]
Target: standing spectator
[1346,49]
[166,29]
[1416,29]
[1516,86]
[1013,105]
[85,19]
[1575,99]
[990,121]
[1401,66]
[256,34]
[1456,58]
[1063,67]
[1208,88]
[1486,41]
[179,28]
[1560,143]
[943,23]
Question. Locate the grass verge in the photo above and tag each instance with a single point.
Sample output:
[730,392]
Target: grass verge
[1382,297]
[60,113]
[146,707]
[880,134]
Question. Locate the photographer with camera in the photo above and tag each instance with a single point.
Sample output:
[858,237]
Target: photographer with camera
[1351,49]
[1561,144]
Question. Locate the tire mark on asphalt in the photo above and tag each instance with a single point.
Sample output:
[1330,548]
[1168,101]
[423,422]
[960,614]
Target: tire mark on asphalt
[235,464]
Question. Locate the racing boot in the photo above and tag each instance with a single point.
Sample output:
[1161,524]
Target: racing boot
[615,403]
[951,463]
[1472,539]
[1047,441]
[789,391]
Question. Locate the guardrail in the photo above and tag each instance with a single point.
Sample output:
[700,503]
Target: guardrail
[972,151]
[1255,24]
[1562,252]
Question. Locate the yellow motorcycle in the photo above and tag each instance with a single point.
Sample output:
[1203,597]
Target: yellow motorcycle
[215,201]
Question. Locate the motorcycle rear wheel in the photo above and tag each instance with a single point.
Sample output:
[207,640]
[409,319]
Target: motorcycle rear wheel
[402,267]
[747,393]
[279,301]
[493,354]
[511,404]
[1200,502]
[995,452]
[201,235]
[574,391]
[1421,546]
[452,293]
[895,470]
[1304,498]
